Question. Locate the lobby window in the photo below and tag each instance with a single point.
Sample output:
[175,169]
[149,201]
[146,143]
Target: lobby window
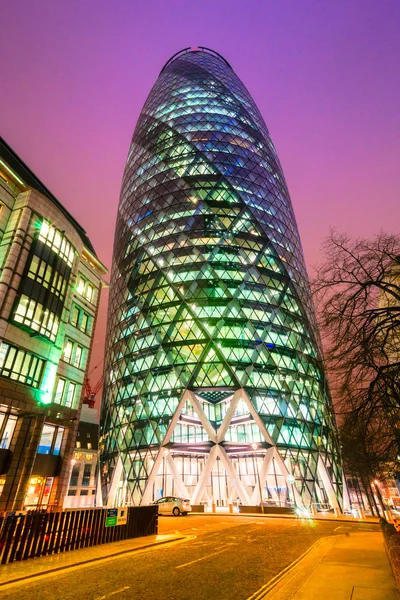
[55,240]
[7,426]
[50,440]
[20,365]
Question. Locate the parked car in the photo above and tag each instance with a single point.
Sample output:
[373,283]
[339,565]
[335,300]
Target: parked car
[323,507]
[169,505]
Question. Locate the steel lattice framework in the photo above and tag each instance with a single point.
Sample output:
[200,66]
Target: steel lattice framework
[214,385]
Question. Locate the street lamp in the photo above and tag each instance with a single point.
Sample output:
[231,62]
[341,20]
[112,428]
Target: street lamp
[255,446]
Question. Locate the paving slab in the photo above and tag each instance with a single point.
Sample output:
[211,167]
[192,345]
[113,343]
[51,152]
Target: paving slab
[351,567]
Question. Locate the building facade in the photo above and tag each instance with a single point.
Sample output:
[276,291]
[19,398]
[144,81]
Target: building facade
[214,387]
[50,281]
[83,491]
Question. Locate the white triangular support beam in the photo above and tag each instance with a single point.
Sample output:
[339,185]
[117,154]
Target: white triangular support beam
[202,416]
[346,494]
[326,480]
[263,474]
[205,474]
[116,477]
[243,495]
[257,418]
[148,490]
[228,416]
[177,478]
[285,473]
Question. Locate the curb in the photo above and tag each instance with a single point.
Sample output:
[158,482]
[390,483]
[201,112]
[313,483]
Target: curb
[265,589]
[265,516]
[91,560]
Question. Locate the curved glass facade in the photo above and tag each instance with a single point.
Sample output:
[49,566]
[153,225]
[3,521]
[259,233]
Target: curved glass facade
[214,388]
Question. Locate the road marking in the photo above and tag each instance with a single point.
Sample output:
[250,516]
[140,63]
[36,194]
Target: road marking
[342,527]
[265,589]
[202,558]
[127,587]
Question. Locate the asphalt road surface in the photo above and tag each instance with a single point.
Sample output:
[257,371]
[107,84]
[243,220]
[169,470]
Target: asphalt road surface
[229,558]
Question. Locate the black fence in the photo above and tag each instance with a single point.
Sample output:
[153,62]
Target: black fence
[41,534]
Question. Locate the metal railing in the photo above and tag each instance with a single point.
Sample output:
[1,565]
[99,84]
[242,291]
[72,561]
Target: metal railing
[40,534]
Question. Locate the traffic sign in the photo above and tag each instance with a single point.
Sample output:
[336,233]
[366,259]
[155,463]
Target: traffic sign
[112,517]
[122,516]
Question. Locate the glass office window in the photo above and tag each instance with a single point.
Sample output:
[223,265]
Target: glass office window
[8,430]
[75,475]
[86,474]
[68,351]
[58,396]
[58,441]
[70,395]
[78,356]
[20,365]
[46,439]
[53,238]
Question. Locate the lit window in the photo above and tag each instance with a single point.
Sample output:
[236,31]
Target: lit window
[20,365]
[70,395]
[58,396]
[55,240]
[81,286]
[78,356]
[33,315]
[7,429]
[89,292]
[58,441]
[75,316]
[46,439]
[68,351]
[50,440]
[89,446]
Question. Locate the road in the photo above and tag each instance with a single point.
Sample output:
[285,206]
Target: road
[229,558]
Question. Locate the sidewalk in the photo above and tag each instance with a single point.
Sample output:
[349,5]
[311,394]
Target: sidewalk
[353,567]
[35,567]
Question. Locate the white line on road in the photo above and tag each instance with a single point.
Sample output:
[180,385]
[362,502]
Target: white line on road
[202,558]
[127,587]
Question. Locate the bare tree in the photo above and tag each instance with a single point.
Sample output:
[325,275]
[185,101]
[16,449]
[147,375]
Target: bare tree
[357,296]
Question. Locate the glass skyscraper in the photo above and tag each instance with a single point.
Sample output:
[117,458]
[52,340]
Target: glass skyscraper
[214,385]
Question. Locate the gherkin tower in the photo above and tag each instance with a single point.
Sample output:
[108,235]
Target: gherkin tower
[214,388]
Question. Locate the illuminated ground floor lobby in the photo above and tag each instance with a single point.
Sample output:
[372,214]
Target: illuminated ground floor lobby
[223,465]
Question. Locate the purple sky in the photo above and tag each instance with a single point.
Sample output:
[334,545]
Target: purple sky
[324,73]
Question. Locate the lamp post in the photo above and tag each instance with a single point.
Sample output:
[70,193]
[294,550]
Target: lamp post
[255,446]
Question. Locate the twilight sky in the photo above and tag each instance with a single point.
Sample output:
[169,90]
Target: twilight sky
[324,73]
